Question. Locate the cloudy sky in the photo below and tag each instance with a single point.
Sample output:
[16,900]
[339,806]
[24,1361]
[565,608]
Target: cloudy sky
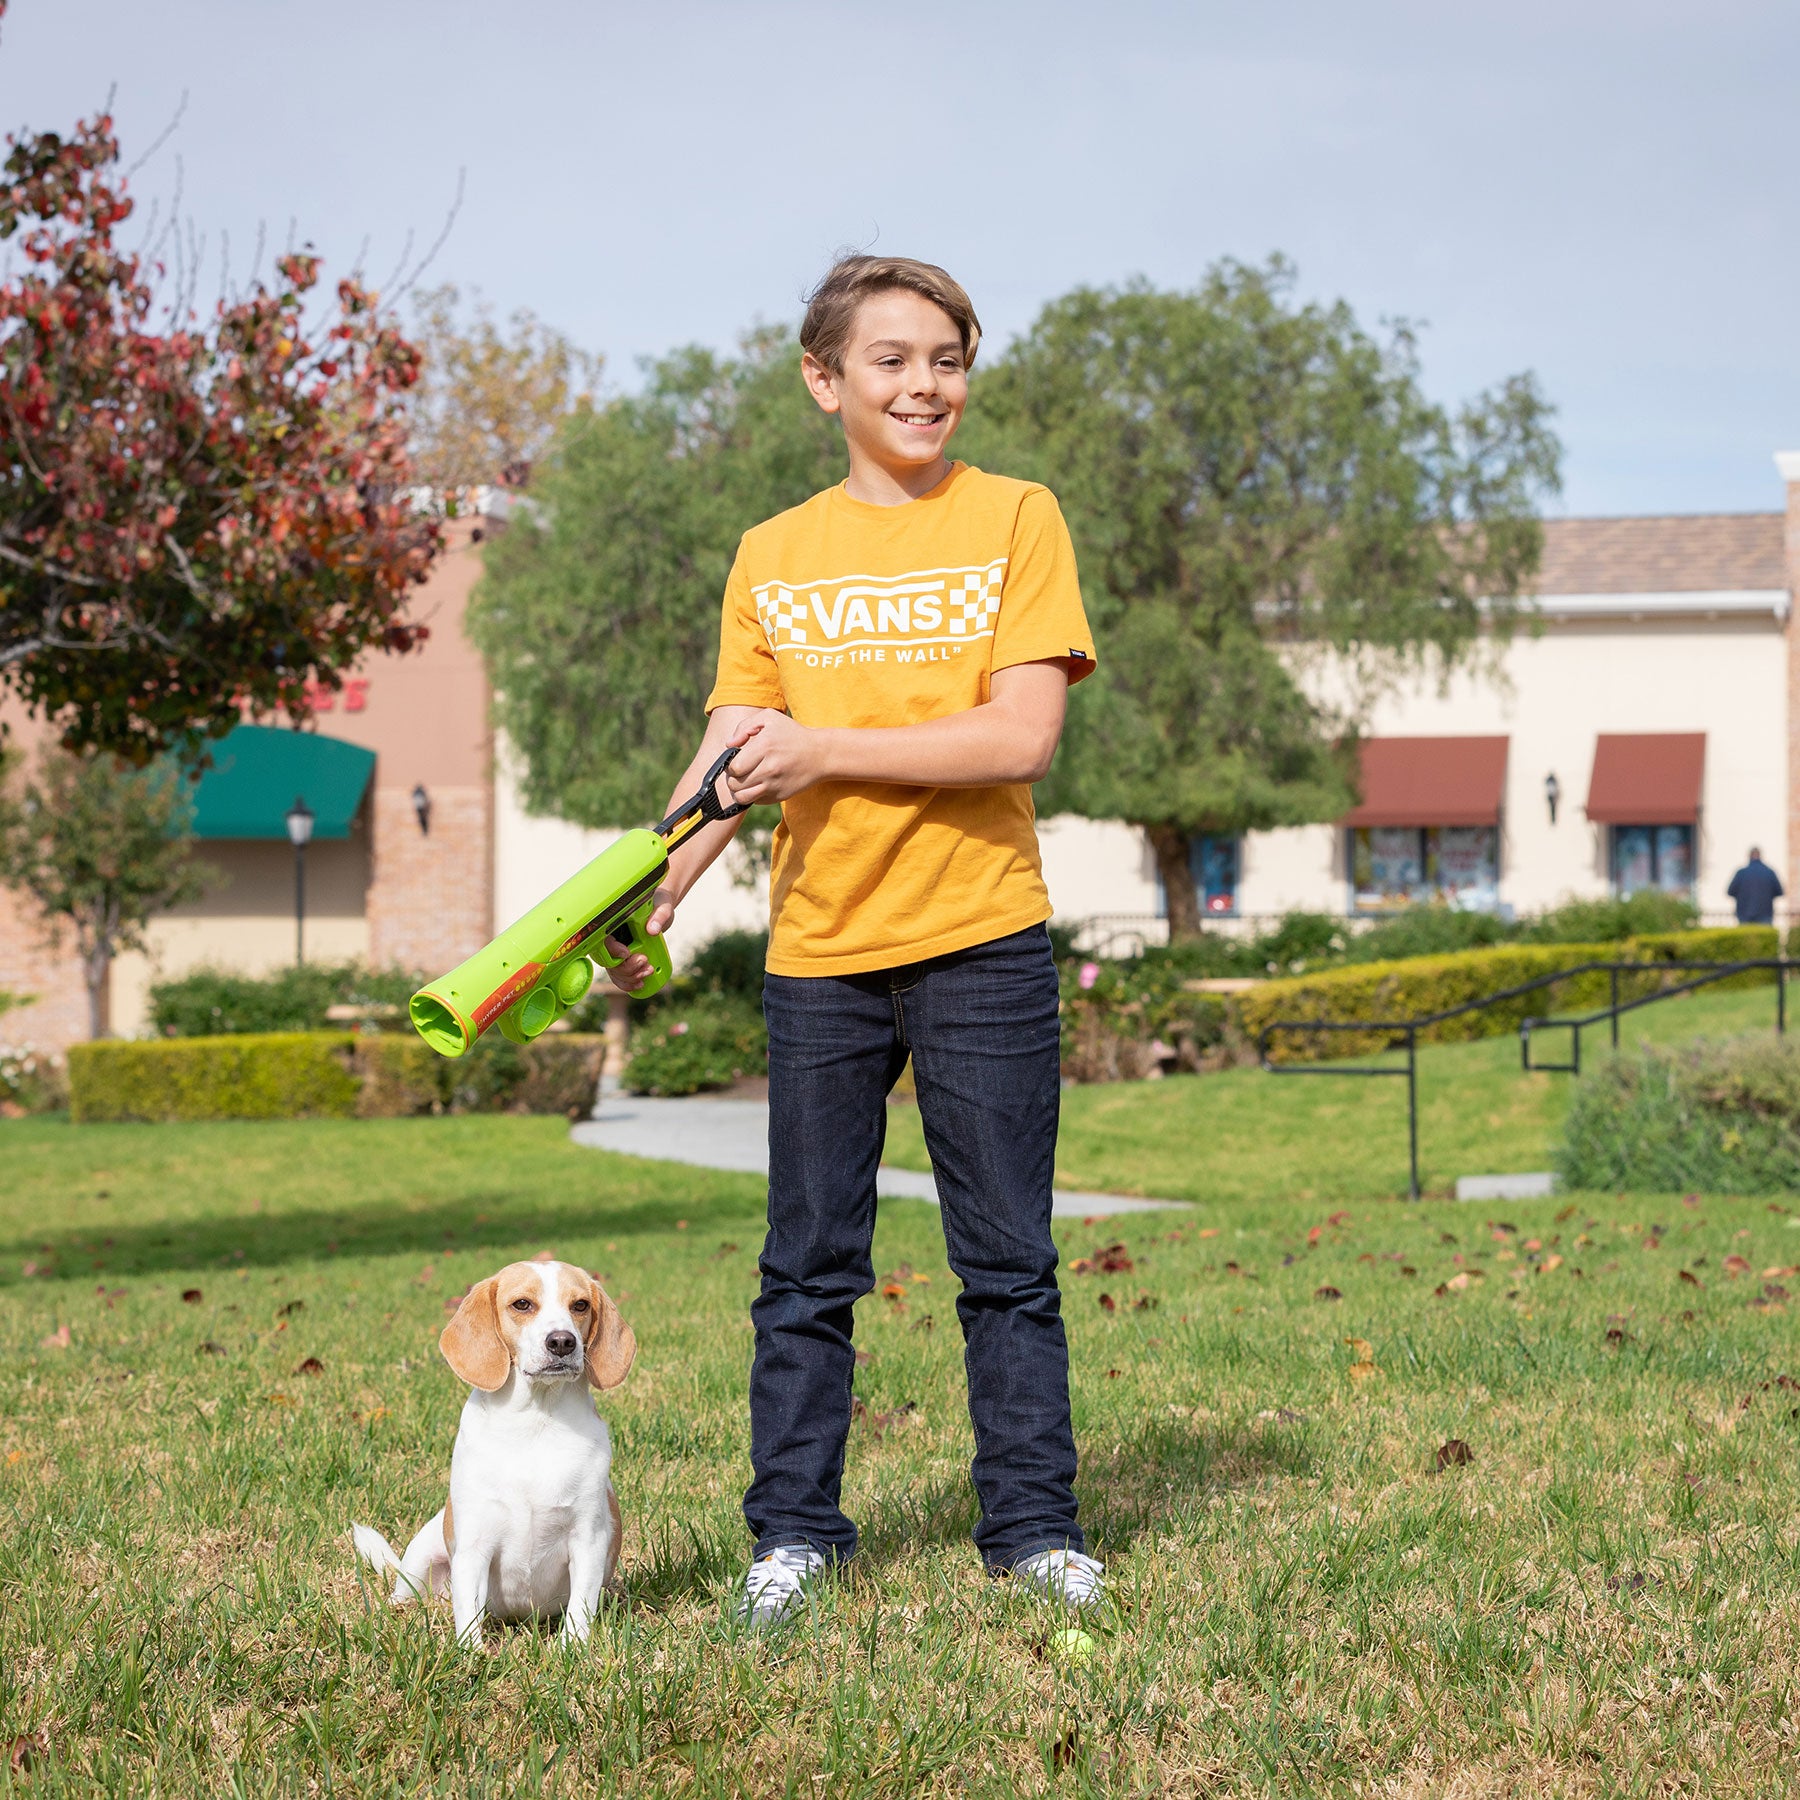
[1604,191]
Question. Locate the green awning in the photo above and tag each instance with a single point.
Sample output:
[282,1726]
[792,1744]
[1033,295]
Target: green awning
[258,772]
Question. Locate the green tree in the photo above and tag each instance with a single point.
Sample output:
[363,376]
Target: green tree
[1256,487]
[599,609]
[101,848]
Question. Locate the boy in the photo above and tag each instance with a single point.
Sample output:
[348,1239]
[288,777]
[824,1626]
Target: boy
[894,662]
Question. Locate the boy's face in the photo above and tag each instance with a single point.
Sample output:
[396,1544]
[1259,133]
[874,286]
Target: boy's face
[904,385]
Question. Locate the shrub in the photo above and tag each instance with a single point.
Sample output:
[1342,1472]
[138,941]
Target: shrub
[326,1074]
[290,1075]
[708,1042]
[31,1081]
[1427,931]
[1129,1018]
[209,1002]
[1609,921]
[1720,1117]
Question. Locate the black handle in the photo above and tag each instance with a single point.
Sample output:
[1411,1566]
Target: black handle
[704,807]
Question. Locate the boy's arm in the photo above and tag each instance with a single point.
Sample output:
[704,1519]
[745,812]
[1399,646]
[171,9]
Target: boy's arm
[1010,738]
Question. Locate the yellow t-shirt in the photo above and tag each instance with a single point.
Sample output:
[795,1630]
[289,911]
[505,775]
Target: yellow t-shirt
[841,613]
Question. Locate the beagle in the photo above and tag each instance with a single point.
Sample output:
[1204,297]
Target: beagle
[532,1524]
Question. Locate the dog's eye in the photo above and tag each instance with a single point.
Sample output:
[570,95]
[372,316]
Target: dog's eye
[578,1306]
[521,1306]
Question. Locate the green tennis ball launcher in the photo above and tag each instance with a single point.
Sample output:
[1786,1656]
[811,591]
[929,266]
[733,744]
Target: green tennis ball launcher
[535,970]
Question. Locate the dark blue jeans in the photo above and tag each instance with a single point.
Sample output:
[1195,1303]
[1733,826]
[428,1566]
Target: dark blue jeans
[981,1027]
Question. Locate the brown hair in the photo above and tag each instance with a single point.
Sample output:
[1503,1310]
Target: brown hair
[831,306]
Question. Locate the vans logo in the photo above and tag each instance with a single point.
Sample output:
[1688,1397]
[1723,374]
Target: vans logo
[900,616]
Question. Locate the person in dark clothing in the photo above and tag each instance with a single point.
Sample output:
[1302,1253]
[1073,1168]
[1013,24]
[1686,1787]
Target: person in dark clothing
[1755,887]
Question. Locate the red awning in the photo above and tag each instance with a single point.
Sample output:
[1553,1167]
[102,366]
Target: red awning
[1431,781]
[1647,778]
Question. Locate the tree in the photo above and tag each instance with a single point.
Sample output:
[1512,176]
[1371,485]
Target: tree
[1257,489]
[489,400]
[101,848]
[194,519]
[599,609]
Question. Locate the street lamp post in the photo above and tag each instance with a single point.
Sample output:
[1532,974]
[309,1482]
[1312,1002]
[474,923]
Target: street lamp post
[299,830]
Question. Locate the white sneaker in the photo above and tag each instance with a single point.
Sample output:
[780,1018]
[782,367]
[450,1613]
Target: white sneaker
[774,1584]
[1066,1575]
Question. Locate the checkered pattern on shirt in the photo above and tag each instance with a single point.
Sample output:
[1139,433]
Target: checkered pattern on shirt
[783,616]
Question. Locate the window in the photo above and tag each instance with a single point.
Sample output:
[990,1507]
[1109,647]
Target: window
[1215,862]
[1393,866]
[1652,856]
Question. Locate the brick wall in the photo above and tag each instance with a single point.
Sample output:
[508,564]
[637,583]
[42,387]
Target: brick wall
[431,897]
[29,965]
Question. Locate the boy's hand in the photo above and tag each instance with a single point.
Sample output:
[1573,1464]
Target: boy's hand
[634,971]
[777,759]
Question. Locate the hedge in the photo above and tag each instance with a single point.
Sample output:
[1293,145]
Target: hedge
[325,1075]
[1428,984]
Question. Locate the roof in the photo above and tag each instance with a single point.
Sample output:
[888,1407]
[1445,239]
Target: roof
[258,772]
[1431,781]
[1667,554]
[1647,778]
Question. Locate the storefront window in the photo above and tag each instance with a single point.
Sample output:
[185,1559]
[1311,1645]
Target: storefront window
[1395,866]
[1214,861]
[1653,856]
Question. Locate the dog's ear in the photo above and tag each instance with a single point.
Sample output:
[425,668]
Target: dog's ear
[613,1345]
[471,1342]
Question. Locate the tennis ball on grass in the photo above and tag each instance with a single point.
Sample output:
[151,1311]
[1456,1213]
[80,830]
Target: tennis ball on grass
[1072,1646]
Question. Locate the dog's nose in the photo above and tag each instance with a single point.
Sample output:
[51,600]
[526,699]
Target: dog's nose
[560,1343]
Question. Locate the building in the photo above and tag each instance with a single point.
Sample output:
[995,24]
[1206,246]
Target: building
[1646,733]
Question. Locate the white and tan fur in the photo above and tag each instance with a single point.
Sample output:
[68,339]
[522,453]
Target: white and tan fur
[532,1525]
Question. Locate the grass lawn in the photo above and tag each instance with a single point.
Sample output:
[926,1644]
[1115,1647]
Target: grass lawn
[1246,1135]
[1605,1600]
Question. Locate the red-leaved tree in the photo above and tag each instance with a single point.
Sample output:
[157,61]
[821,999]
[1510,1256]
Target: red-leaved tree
[196,518]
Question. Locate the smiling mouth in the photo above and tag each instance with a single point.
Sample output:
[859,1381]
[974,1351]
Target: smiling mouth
[918,421]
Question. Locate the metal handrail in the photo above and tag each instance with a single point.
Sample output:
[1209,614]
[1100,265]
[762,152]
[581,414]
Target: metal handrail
[1405,1032]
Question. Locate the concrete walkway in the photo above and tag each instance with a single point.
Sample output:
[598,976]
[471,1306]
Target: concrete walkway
[734,1134]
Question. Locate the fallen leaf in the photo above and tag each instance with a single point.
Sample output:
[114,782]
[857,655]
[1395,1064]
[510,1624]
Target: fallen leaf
[292,1307]
[1458,1282]
[1108,1303]
[191,1296]
[1778,1273]
[209,1407]
[863,1359]
[901,1415]
[1628,1584]
[1144,1303]
[1113,1260]
[1210,1231]
[281,1400]
[719,1254]
[1568,1212]
[1326,1293]
[1362,1371]
[312,1366]
[1338,1218]
[1736,1265]
[681,1224]
[1317,1232]
[1408,1269]
[29,1270]
[1082,1265]
[1180,1412]
[1112,1374]
[1614,1335]
[922,1322]
[26,1750]
[1442,1288]
[209,1348]
[1550,1262]
[893,1291]
[922,1280]
[1453,1453]
[1690,1278]
[57,1340]
[1362,1349]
